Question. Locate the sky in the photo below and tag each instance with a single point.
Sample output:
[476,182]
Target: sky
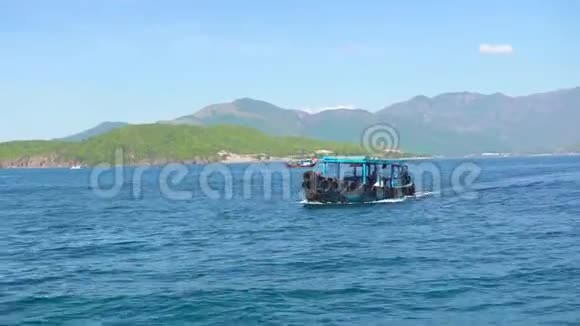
[66,66]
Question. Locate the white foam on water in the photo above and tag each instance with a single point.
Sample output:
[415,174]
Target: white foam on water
[382,201]
[387,201]
[306,202]
[317,203]
[421,194]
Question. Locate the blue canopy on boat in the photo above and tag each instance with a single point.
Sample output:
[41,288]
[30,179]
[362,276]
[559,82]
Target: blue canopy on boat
[366,162]
[360,160]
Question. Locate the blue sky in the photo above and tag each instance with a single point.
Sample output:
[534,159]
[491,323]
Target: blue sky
[68,65]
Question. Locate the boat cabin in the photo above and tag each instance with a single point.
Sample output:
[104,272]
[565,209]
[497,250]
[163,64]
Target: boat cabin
[357,179]
[365,170]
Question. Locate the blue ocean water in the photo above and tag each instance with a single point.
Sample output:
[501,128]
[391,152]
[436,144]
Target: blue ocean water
[503,250]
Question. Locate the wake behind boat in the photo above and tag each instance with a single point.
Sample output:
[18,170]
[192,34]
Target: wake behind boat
[357,179]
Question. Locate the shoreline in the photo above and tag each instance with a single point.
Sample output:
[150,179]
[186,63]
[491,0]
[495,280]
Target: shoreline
[55,164]
[52,162]
[243,159]
[44,163]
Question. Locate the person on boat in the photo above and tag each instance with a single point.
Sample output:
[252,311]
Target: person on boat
[405,178]
[373,176]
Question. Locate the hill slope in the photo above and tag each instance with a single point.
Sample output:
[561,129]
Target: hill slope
[247,112]
[100,129]
[496,122]
[333,125]
[450,123]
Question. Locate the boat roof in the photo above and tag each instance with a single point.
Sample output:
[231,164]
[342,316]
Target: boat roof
[360,160]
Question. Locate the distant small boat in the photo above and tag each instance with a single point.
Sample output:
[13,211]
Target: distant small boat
[304,163]
[76,167]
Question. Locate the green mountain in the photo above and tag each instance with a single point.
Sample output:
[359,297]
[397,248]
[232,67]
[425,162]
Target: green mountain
[333,125]
[95,131]
[574,149]
[472,122]
[158,143]
[247,112]
[450,123]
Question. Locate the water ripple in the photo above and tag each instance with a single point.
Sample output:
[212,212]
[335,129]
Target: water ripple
[509,256]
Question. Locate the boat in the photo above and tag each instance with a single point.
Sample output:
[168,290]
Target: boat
[76,167]
[357,179]
[303,163]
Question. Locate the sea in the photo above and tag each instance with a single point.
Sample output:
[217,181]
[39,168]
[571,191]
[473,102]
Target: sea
[489,241]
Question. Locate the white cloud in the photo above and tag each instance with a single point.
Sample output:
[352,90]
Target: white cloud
[495,48]
[327,108]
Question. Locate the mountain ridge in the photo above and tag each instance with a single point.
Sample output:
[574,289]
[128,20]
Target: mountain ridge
[450,123]
[99,129]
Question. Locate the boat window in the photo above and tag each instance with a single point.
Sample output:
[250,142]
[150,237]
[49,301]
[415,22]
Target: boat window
[343,170]
[350,171]
[332,170]
[385,170]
